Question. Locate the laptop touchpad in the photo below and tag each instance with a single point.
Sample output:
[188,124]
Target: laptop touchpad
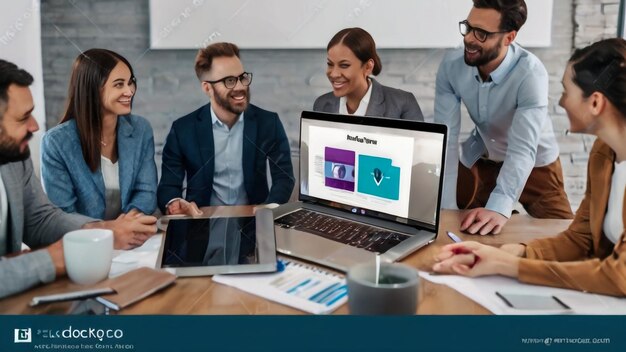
[316,248]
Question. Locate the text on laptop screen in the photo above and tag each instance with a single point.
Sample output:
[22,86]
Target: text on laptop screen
[386,170]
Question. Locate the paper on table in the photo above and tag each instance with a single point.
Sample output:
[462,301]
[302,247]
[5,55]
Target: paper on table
[482,290]
[144,256]
[301,286]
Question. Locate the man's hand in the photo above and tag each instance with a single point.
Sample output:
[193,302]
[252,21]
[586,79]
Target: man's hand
[130,230]
[133,229]
[181,206]
[483,221]
[56,253]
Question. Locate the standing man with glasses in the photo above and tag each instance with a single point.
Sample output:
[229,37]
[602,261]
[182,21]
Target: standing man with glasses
[221,150]
[512,153]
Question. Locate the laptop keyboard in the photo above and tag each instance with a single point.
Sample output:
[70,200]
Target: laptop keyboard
[370,238]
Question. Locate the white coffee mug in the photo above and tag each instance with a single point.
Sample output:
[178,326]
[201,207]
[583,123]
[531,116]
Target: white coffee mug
[88,255]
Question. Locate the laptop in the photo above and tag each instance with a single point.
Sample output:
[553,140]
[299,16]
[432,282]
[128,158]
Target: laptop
[368,186]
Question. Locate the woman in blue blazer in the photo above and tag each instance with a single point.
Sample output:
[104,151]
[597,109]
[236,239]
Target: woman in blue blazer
[352,59]
[99,161]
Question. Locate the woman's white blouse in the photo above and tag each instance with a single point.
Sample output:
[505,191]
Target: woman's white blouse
[613,221]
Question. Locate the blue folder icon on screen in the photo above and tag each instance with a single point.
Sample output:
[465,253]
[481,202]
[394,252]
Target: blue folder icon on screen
[378,177]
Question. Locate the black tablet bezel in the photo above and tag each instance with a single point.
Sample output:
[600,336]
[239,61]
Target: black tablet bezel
[266,249]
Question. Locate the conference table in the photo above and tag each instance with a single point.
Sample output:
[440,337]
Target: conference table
[200,295]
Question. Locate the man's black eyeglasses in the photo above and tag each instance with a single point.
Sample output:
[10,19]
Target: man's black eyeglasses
[231,81]
[480,34]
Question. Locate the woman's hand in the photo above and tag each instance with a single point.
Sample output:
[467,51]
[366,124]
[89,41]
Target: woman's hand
[518,250]
[475,259]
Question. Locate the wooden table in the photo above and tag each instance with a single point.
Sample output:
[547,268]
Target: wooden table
[202,296]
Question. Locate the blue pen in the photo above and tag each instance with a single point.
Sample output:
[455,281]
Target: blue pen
[280,265]
[454,237]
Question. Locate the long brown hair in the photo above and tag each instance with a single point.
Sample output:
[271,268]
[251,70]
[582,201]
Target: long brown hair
[90,72]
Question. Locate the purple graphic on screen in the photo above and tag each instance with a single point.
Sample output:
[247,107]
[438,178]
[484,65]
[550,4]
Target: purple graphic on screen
[339,168]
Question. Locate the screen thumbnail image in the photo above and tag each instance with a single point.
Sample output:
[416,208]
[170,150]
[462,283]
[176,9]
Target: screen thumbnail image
[378,177]
[339,168]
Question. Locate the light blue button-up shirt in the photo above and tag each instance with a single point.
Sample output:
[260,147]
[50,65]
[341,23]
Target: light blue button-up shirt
[228,188]
[510,112]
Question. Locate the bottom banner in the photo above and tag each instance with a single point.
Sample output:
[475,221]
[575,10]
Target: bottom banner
[312,333]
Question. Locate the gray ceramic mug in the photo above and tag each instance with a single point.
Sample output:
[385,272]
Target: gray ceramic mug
[395,293]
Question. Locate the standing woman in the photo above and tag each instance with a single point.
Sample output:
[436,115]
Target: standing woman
[99,161]
[591,254]
[352,59]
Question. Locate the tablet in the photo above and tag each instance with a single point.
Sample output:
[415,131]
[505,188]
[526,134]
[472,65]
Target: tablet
[224,245]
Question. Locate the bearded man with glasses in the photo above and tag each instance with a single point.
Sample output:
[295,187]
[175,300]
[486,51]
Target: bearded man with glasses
[217,155]
[512,153]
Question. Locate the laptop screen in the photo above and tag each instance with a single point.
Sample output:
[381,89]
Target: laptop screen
[379,167]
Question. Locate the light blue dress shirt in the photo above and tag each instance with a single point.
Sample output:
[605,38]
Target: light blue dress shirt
[510,112]
[228,187]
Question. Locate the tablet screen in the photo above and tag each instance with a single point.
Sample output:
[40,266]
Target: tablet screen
[210,242]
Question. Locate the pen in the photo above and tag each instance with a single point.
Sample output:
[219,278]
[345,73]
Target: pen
[454,237]
[280,266]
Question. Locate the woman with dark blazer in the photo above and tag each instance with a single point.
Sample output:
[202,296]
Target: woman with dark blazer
[352,59]
[99,161]
[591,254]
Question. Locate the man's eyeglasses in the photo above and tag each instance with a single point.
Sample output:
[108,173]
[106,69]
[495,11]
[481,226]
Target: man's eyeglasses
[231,81]
[480,34]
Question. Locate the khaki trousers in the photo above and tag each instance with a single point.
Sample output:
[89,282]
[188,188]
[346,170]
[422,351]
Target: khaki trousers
[543,195]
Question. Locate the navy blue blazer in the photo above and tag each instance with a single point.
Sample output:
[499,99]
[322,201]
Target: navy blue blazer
[189,152]
[72,186]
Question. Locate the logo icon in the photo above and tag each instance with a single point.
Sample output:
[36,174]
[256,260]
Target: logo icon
[378,176]
[548,341]
[22,336]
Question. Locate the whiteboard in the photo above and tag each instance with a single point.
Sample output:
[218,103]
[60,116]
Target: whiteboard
[621,27]
[302,24]
[20,43]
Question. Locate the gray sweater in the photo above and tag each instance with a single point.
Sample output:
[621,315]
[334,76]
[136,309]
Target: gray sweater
[33,220]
